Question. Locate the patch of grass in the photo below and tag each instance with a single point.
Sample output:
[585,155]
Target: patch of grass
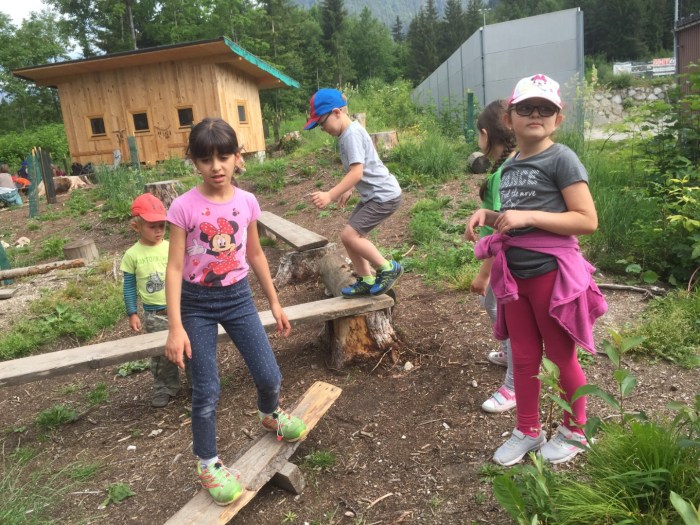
[427,161]
[98,395]
[28,493]
[33,226]
[72,388]
[319,460]
[80,311]
[324,213]
[268,241]
[23,455]
[117,493]
[301,206]
[55,416]
[268,176]
[82,471]
[671,329]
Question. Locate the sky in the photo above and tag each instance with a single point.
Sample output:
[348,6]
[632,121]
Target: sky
[19,9]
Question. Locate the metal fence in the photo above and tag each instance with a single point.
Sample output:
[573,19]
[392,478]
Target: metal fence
[493,59]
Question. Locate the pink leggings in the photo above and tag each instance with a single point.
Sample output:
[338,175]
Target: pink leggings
[529,326]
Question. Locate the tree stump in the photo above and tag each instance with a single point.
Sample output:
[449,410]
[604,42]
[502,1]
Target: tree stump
[360,118]
[81,249]
[301,266]
[384,140]
[165,190]
[361,338]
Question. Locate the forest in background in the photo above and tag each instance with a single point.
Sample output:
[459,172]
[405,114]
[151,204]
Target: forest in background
[325,44]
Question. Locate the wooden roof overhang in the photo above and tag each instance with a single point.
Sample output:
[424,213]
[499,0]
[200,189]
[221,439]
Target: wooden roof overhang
[219,50]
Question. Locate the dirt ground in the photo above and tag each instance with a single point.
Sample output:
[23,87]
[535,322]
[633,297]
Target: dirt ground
[409,444]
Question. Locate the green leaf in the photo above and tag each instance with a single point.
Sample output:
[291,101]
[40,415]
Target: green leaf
[630,342]
[612,353]
[685,509]
[633,268]
[563,404]
[507,494]
[627,385]
[584,391]
[620,375]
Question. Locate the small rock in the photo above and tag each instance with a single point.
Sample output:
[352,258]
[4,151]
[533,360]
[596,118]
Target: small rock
[474,383]
[447,427]
[131,448]
[349,514]
[505,434]
[408,366]
[155,433]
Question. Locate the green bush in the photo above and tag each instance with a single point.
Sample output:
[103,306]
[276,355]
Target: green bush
[15,147]
[418,162]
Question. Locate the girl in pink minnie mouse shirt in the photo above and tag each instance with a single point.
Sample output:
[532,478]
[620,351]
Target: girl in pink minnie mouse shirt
[213,242]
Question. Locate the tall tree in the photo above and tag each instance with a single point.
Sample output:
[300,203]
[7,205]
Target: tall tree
[334,25]
[423,57]
[397,30]
[372,50]
[453,28]
[474,15]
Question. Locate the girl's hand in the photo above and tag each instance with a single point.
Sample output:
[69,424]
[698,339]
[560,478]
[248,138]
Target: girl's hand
[321,199]
[477,219]
[479,284]
[135,322]
[177,344]
[283,326]
[513,220]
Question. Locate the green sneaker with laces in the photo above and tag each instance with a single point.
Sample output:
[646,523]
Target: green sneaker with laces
[288,427]
[221,483]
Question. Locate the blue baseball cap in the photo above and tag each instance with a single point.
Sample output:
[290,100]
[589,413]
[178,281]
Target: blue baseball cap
[324,101]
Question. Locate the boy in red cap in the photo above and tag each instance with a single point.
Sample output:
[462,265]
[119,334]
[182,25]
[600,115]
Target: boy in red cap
[144,276]
[380,193]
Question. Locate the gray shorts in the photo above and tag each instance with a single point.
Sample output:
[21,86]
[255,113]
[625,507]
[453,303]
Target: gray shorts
[368,215]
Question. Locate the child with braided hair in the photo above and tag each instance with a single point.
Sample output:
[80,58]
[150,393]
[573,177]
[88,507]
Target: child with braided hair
[497,142]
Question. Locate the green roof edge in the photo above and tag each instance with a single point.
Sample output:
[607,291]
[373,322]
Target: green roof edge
[289,81]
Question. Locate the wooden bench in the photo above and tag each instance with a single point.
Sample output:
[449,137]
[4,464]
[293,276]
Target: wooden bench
[37,367]
[297,236]
[265,460]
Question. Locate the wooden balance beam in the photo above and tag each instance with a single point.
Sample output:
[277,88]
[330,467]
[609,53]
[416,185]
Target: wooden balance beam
[264,460]
[52,364]
[297,236]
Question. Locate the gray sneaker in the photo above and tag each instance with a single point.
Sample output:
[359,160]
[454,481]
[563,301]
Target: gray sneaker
[563,446]
[519,444]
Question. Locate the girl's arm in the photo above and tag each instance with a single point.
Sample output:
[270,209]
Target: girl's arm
[258,262]
[479,218]
[481,281]
[177,342]
[580,219]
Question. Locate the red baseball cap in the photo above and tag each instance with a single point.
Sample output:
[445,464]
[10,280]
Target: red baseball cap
[149,208]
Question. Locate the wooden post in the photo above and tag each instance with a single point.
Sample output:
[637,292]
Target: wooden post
[81,249]
[296,267]
[359,338]
[41,268]
[165,190]
[47,175]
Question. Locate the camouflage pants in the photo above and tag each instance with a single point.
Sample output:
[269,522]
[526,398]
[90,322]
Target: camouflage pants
[166,375]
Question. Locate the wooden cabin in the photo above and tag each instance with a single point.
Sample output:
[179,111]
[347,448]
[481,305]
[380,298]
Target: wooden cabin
[155,95]
[688,51]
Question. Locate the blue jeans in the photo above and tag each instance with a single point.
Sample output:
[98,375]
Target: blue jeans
[202,309]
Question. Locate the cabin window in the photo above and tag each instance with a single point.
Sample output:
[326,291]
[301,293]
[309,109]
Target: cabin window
[242,112]
[140,122]
[185,117]
[97,126]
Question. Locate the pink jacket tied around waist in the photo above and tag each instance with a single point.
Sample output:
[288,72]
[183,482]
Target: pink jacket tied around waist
[576,300]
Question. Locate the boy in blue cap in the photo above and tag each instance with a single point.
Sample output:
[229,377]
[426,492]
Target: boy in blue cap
[380,193]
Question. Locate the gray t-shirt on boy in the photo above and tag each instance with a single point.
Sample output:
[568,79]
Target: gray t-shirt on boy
[377,182]
[535,183]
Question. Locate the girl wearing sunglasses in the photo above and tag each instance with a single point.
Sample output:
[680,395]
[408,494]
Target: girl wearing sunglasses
[547,299]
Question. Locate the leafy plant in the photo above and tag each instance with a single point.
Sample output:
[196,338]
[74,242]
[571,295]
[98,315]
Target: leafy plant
[55,416]
[116,493]
[133,367]
[98,395]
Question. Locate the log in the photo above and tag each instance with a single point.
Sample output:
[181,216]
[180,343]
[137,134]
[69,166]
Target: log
[361,338]
[478,162]
[81,249]
[165,190]
[41,268]
[384,140]
[301,266]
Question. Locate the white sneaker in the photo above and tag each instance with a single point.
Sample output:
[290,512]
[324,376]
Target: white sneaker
[498,358]
[563,446]
[519,444]
[501,400]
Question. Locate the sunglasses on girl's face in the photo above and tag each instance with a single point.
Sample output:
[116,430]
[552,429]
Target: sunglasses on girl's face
[525,109]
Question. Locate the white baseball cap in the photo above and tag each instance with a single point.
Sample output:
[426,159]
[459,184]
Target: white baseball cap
[536,86]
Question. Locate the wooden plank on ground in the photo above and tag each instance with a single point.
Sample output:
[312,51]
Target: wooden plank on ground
[6,293]
[259,463]
[298,236]
[34,368]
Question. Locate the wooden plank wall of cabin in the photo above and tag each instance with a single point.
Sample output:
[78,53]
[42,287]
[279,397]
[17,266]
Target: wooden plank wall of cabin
[234,86]
[159,90]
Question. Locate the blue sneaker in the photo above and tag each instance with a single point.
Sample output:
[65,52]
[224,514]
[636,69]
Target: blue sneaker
[386,279]
[355,290]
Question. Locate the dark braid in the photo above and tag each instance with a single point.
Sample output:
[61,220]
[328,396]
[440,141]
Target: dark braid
[491,119]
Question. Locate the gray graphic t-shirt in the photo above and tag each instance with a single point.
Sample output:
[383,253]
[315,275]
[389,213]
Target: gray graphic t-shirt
[535,183]
[377,182]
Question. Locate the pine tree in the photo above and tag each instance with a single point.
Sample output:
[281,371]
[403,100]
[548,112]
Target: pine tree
[397,30]
[453,28]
